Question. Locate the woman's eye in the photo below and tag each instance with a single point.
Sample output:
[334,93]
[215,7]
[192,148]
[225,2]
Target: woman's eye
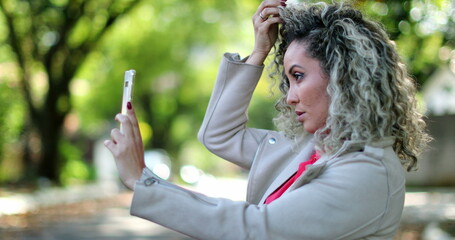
[298,76]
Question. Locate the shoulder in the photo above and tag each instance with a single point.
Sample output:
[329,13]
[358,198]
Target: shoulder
[369,161]
[374,170]
[375,155]
[362,191]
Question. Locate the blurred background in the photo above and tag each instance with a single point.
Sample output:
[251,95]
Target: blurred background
[61,74]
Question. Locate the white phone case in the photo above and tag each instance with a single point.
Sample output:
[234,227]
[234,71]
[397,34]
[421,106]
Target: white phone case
[128,84]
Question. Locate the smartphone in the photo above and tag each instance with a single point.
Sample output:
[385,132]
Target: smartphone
[128,84]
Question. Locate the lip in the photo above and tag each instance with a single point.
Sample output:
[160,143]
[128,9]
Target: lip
[300,116]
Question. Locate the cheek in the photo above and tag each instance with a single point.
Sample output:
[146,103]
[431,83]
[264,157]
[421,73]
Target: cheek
[323,102]
[319,105]
[308,96]
[314,98]
[325,107]
[319,114]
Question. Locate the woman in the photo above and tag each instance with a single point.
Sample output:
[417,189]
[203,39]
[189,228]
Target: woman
[348,126]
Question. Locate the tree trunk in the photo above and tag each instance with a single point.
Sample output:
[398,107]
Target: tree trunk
[50,162]
[50,126]
[29,159]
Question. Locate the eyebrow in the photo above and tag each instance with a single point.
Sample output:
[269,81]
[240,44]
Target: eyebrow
[294,66]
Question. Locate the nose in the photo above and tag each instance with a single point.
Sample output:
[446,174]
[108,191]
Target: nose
[291,98]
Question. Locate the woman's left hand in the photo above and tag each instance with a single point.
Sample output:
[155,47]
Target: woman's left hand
[127,148]
[265,22]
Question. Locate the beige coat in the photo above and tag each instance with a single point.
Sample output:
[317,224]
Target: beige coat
[357,193]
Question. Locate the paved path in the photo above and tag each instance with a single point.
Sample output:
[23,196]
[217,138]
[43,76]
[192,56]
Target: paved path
[92,212]
[428,214]
[113,223]
[93,221]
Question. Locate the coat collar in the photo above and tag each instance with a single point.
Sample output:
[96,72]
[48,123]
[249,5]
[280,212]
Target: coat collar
[290,169]
[354,146]
[319,166]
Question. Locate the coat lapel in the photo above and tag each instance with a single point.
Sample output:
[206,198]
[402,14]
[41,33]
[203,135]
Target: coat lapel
[311,172]
[304,155]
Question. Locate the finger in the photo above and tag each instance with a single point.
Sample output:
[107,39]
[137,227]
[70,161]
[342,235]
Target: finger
[266,14]
[270,11]
[273,20]
[137,133]
[127,127]
[116,135]
[268,3]
[110,145]
[267,25]
[133,119]
[263,5]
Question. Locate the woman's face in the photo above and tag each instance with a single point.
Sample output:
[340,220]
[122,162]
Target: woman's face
[307,87]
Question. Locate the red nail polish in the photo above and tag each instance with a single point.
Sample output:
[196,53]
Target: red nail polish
[128,105]
[283,3]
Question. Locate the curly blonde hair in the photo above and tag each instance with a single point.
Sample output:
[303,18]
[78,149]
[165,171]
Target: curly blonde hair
[371,94]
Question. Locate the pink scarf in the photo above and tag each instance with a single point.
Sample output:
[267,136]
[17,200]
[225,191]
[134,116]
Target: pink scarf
[302,167]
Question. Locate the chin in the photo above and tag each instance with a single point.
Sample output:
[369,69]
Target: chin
[310,130]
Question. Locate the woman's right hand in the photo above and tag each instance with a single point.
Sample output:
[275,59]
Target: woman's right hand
[265,21]
[127,148]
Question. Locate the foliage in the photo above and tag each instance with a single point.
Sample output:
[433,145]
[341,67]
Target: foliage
[66,59]
[48,41]
[3,112]
[176,54]
[422,30]
[75,169]
[11,124]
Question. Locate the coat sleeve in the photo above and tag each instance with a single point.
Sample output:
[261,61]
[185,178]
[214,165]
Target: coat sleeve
[349,200]
[224,131]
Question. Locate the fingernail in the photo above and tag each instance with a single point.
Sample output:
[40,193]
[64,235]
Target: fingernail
[128,105]
[283,3]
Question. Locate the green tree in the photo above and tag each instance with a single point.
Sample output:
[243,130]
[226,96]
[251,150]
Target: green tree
[174,46]
[423,30]
[71,55]
[53,37]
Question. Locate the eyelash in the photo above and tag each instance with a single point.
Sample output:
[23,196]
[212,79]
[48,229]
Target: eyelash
[298,75]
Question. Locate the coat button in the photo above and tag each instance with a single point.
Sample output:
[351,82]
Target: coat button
[149,181]
[272,140]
